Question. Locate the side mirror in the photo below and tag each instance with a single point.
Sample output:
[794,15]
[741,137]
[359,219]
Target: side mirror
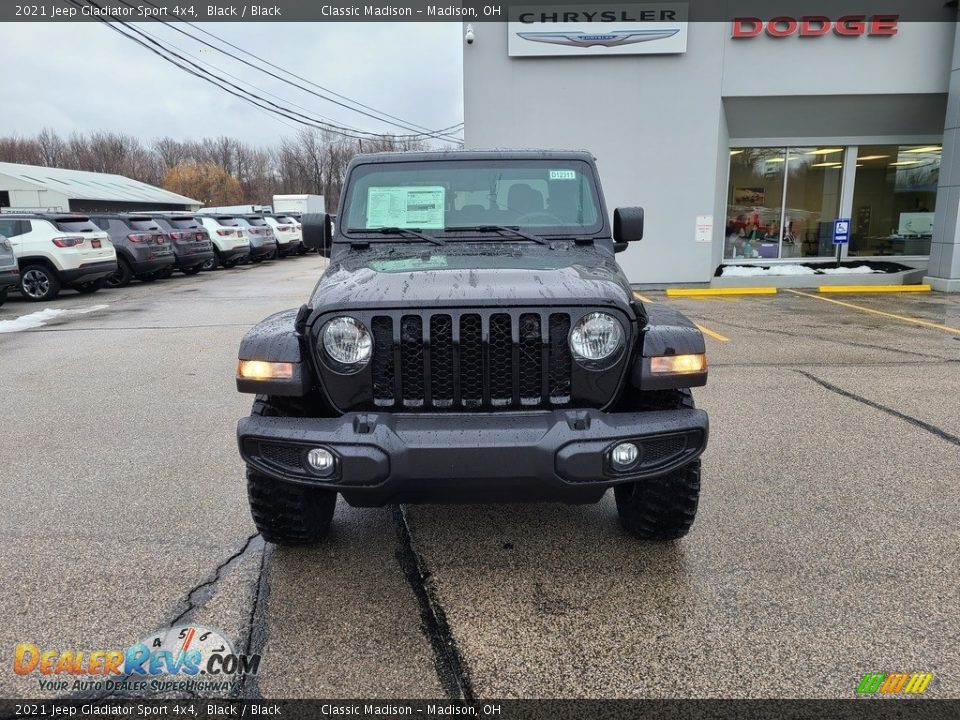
[317,232]
[627,226]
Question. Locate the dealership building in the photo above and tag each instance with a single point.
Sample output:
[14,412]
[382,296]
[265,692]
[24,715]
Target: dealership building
[744,140]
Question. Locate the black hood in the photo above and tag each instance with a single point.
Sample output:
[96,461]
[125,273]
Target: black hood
[472,275]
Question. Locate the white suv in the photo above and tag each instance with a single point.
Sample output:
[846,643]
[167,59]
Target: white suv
[55,250]
[288,234]
[230,244]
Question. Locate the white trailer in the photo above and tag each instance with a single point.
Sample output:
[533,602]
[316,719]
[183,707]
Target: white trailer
[237,210]
[298,204]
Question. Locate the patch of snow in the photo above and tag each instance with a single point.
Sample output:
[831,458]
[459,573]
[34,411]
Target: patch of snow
[859,270]
[41,318]
[745,271]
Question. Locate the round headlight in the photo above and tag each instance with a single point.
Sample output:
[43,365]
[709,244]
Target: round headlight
[596,337]
[347,342]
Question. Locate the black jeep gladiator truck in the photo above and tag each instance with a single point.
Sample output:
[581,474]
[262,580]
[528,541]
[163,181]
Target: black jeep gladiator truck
[472,340]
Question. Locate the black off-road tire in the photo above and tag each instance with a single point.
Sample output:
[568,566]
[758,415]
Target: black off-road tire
[192,270]
[285,513]
[3,295]
[213,263]
[665,507]
[661,508]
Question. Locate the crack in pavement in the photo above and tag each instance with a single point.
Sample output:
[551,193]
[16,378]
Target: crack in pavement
[932,429]
[198,596]
[205,589]
[451,669]
[257,623]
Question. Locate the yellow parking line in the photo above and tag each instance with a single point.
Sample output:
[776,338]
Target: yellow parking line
[707,292]
[904,318]
[701,328]
[711,333]
[873,288]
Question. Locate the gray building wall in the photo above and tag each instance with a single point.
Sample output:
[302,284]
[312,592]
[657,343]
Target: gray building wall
[944,269]
[661,125]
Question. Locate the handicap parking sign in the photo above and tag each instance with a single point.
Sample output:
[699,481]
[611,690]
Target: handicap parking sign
[841,231]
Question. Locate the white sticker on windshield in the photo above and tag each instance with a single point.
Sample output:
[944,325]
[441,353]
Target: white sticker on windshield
[563,175]
[405,207]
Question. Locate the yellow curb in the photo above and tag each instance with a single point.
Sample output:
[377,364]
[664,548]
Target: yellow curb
[872,288]
[707,292]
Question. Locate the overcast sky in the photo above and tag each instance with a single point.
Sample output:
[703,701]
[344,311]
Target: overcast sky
[84,76]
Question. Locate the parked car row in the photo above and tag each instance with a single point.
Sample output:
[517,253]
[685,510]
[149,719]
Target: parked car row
[42,253]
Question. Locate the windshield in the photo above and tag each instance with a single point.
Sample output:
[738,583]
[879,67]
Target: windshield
[257,222]
[544,197]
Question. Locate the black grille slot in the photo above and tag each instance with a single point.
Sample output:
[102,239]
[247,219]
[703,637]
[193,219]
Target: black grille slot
[471,361]
[382,362]
[531,359]
[411,360]
[441,360]
[501,360]
[662,449]
[559,362]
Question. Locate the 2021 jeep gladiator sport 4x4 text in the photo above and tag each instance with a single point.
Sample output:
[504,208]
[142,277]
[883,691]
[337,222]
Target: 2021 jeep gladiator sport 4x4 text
[473,339]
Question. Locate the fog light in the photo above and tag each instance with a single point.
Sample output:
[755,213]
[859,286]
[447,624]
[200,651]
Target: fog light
[320,461]
[624,455]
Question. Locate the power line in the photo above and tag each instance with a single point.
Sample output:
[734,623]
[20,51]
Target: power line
[404,124]
[242,93]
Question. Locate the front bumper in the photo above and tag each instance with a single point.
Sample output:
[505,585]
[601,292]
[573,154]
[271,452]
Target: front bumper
[558,455]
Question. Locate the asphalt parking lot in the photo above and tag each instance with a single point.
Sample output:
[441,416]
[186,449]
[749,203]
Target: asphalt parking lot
[827,543]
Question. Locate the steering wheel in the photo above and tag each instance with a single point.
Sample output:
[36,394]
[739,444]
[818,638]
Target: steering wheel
[529,217]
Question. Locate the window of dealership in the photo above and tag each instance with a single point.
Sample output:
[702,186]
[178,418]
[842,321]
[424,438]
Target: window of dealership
[781,201]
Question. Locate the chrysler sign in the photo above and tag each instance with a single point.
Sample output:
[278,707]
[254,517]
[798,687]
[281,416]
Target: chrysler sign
[634,29]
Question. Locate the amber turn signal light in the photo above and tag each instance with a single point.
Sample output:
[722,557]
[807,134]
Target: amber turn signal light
[678,364]
[263,370]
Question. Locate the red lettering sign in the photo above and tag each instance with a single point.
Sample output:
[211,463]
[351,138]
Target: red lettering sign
[817,26]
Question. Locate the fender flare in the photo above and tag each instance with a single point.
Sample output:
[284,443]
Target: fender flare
[276,339]
[667,332]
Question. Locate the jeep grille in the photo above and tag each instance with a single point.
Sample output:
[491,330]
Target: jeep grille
[471,360]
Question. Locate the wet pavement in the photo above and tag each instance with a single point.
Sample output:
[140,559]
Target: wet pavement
[827,543]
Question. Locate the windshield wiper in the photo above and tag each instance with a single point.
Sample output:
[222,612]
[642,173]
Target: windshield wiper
[502,229]
[402,232]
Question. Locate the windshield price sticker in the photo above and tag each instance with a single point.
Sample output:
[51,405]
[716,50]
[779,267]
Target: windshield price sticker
[406,207]
[563,174]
